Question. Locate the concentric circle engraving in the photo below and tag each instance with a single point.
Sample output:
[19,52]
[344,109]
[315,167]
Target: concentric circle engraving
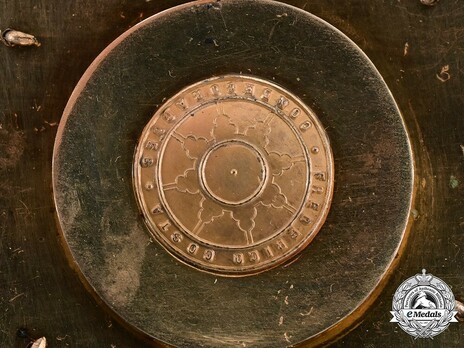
[233,172]
[234,175]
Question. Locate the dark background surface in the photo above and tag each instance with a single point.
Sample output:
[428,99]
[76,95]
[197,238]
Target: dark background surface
[40,291]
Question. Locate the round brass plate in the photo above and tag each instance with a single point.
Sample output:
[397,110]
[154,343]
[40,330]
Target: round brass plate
[327,285]
[234,175]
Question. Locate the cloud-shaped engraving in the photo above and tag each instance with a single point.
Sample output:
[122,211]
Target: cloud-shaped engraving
[259,132]
[223,129]
[194,147]
[279,163]
[245,217]
[255,129]
[242,124]
[209,211]
[273,196]
[188,182]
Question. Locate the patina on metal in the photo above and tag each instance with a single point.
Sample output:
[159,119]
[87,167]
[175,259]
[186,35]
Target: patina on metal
[329,284]
[234,175]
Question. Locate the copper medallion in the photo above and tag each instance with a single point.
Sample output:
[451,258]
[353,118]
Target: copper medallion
[234,175]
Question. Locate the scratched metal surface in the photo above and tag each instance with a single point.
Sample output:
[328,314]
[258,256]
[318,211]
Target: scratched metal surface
[40,291]
[98,212]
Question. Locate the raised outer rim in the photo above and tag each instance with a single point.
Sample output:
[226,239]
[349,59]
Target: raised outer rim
[219,271]
[322,338]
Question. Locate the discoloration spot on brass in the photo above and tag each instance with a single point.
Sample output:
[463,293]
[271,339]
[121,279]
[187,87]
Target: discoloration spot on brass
[11,147]
[237,175]
[124,259]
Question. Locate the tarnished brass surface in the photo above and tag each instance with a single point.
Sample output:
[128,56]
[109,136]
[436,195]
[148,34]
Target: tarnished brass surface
[333,280]
[409,43]
[234,175]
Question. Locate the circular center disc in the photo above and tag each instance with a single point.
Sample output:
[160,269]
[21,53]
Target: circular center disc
[234,175]
[233,172]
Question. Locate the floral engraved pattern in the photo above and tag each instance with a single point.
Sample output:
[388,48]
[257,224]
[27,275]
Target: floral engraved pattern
[260,130]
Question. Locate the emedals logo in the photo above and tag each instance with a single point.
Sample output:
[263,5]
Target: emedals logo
[423,306]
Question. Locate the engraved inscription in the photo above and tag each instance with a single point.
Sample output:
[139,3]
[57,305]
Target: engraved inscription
[266,95]
[192,248]
[230,190]
[176,237]
[280,244]
[295,113]
[313,205]
[197,95]
[238,258]
[282,103]
[249,89]
[320,176]
[157,210]
[160,132]
[253,256]
[305,125]
[168,117]
[208,255]
[181,104]
[268,252]
[294,234]
[150,145]
[215,90]
[146,162]
[231,88]
[305,220]
[165,226]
